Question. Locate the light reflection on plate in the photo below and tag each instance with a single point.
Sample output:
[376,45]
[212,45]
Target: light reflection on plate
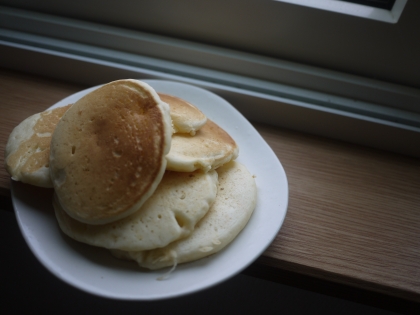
[94,270]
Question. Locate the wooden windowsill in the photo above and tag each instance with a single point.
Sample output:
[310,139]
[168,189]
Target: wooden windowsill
[353,215]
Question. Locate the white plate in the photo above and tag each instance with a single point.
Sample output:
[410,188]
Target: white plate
[94,270]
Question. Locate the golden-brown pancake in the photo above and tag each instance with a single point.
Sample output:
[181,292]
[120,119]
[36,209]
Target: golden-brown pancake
[186,118]
[108,151]
[171,213]
[235,202]
[28,148]
[210,148]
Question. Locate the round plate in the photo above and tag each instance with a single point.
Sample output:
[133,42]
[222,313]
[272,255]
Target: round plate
[96,271]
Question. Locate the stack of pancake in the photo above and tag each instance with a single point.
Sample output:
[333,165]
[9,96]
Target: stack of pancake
[146,175]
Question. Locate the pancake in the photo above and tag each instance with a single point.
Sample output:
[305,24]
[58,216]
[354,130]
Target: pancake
[28,148]
[27,152]
[210,148]
[108,151]
[186,118]
[172,212]
[235,202]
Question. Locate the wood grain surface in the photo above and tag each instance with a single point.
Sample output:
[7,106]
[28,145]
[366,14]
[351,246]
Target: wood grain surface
[353,215]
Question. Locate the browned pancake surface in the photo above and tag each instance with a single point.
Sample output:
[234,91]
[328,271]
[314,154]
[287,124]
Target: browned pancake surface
[210,148]
[108,151]
[28,150]
[186,117]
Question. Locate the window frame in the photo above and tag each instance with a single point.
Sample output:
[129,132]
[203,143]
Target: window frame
[354,9]
[296,105]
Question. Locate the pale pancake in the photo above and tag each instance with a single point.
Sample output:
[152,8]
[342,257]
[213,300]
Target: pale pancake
[235,202]
[108,151]
[186,118]
[210,148]
[28,148]
[172,212]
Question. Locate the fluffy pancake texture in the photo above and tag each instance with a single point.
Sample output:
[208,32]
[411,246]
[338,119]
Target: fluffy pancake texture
[186,118]
[108,151]
[235,202]
[172,212]
[210,148]
[28,148]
